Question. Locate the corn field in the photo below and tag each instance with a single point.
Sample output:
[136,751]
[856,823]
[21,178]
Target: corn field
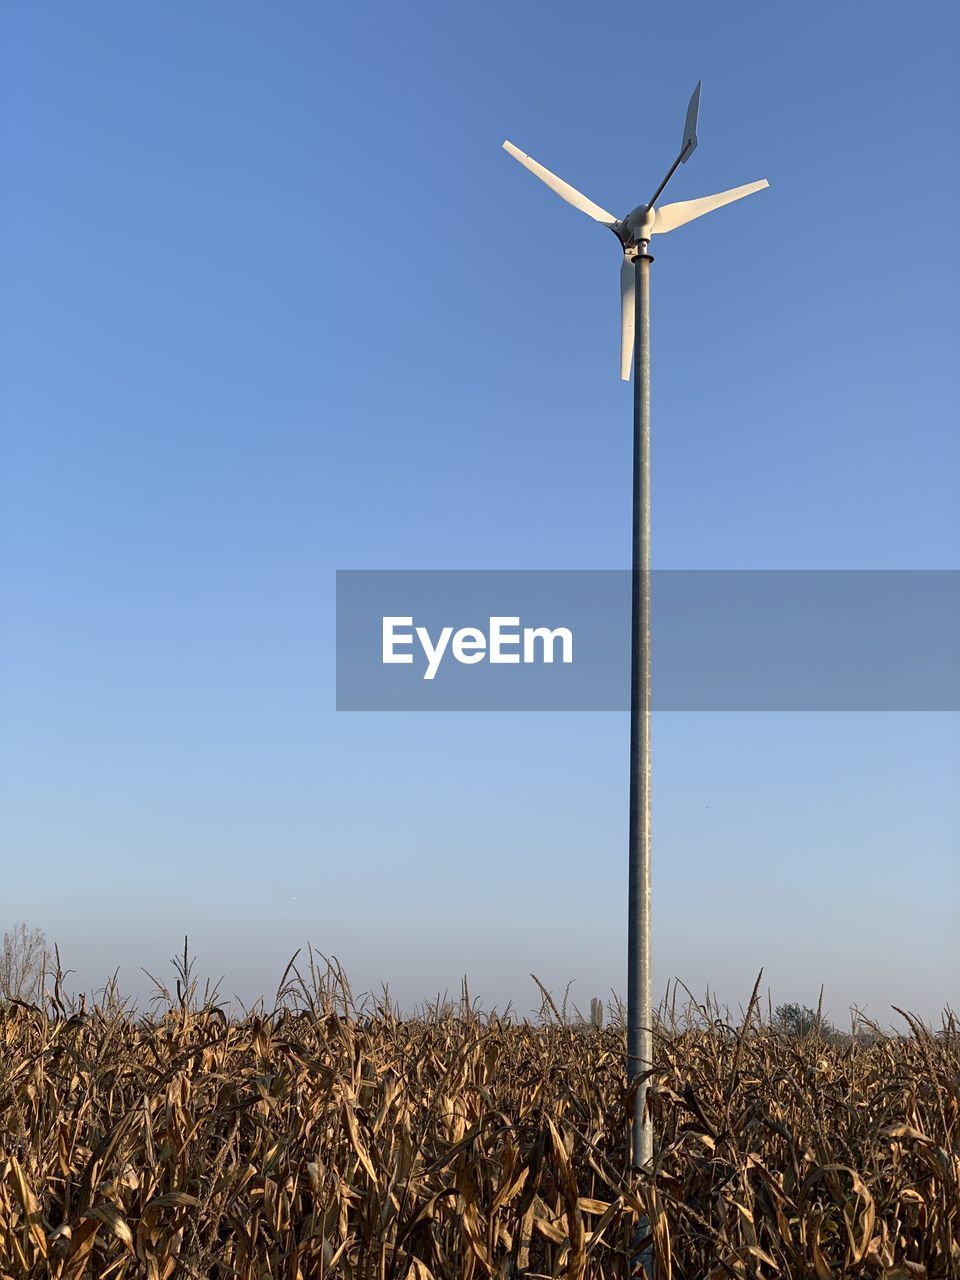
[316,1140]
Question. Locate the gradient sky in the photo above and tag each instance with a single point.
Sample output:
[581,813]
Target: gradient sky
[275,303]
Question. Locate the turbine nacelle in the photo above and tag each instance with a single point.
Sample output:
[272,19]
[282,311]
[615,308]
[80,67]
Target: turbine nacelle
[644,221]
[636,226]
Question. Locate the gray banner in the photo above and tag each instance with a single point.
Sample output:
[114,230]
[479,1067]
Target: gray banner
[723,640]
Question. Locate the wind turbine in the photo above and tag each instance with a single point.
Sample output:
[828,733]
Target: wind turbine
[634,231]
[635,228]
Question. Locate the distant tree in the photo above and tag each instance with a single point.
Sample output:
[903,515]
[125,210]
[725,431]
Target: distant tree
[22,962]
[596,1013]
[797,1020]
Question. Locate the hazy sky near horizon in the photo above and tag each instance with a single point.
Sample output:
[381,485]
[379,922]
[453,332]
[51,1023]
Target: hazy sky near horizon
[276,303]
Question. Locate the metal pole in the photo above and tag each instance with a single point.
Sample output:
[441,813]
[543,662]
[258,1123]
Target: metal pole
[639,978]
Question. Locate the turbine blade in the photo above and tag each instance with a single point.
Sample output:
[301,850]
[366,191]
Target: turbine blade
[689,143]
[671,216]
[628,315]
[563,189]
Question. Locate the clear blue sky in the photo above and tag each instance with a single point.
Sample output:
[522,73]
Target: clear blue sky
[275,303]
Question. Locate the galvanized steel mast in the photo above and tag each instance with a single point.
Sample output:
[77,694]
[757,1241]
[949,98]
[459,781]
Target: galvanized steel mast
[634,231]
[639,941]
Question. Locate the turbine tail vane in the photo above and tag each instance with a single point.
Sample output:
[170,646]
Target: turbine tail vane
[563,189]
[671,216]
[689,143]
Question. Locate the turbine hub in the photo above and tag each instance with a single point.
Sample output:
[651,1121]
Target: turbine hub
[638,225]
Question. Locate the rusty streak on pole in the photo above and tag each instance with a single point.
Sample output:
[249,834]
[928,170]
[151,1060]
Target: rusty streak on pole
[639,977]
